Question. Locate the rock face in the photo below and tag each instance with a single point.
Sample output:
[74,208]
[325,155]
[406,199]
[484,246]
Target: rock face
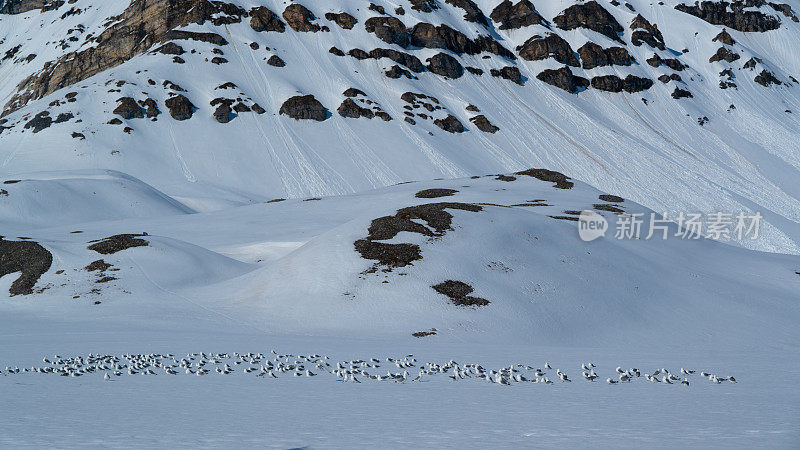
[263,19]
[142,24]
[404,59]
[180,108]
[593,55]
[591,16]
[552,46]
[732,15]
[39,122]
[513,16]
[445,65]
[564,79]
[765,78]
[645,32]
[27,257]
[299,18]
[23,6]
[276,61]
[304,107]
[472,13]
[128,109]
[343,19]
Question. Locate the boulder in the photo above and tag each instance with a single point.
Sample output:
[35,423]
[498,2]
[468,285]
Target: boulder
[276,61]
[128,109]
[510,73]
[551,46]
[342,19]
[445,65]
[263,19]
[564,79]
[593,55]
[513,16]
[299,18]
[483,124]
[180,108]
[592,16]
[388,29]
[349,108]
[450,124]
[304,107]
[732,15]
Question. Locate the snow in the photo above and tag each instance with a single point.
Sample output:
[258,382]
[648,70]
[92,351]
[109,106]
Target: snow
[226,270]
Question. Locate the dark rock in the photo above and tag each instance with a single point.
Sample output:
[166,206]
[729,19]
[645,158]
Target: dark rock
[732,15]
[180,108]
[27,257]
[510,73]
[63,117]
[435,193]
[513,16]
[483,124]
[434,215]
[117,243]
[218,60]
[151,108]
[263,19]
[672,63]
[336,51]
[258,109]
[114,121]
[211,38]
[610,83]
[276,61]
[458,292]
[377,8]
[552,46]
[592,16]
[358,54]
[353,92]
[349,108]
[178,60]
[299,18]
[404,59]
[240,107]
[98,266]
[724,37]
[171,48]
[472,13]
[564,79]
[765,78]
[430,36]
[223,113]
[254,46]
[474,70]
[723,54]
[342,19]
[593,55]
[644,31]
[388,29]
[39,122]
[681,93]
[76,135]
[128,109]
[396,72]
[445,65]
[633,84]
[450,124]
[611,198]
[561,181]
[304,107]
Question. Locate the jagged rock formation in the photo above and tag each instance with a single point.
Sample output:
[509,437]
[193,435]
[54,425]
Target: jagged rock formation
[733,15]
[304,107]
[551,46]
[592,16]
[593,55]
[512,16]
[564,79]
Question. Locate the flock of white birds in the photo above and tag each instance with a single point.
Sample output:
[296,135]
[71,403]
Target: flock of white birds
[275,365]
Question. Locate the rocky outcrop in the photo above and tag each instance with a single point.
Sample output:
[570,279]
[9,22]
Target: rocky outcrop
[450,124]
[613,83]
[681,93]
[766,78]
[483,124]
[645,32]
[223,113]
[29,259]
[142,24]
[263,19]
[349,108]
[344,20]
[724,37]
[592,16]
[551,46]
[127,108]
[300,18]
[170,48]
[724,54]
[672,63]
[472,13]
[388,29]
[593,55]
[23,6]
[276,61]
[512,16]
[510,73]
[445,65]
[304,107]
[404,59]
[180,108]
[150,108]
[732,15]
[564,79]
[39,122]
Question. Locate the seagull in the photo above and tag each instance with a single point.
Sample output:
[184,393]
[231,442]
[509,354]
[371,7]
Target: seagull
[686,372]
[107,377]
[610,381]
[619,370]
[664,379]
[547,366]
[685,382]
[732,380]
[563,377]
[624,377]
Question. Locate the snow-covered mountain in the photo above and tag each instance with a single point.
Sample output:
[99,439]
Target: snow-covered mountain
[187,97]
[379,179]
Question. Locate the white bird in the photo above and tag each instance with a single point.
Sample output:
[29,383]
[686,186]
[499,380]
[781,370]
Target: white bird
[547,366]
[685,382]
[107,377]
[624,377]
[619,370]
[664,379]
[563,377]
[686,372]
[732,380]
[310,373]
[610,381]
